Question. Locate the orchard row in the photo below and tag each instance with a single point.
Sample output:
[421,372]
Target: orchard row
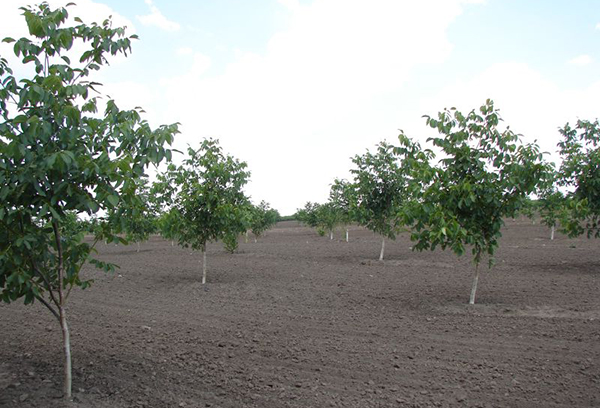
[61,158]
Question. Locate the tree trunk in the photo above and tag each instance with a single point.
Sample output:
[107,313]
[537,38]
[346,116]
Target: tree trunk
[331,234]
[138,246]
[67,349]
[552,233]
[203,265]
[382,249]
[474,287]
[172,243]
[346,234]
[62,317]
[246,238]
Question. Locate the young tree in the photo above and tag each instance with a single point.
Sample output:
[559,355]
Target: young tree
[168,224]
[383,183]
[139,219]
[58,156]
[328,217]
[308,215]
[262,218]
[341,197]
[580,173]
[239,225]
[323,217]
[208,199]
[551,202]
[485,175]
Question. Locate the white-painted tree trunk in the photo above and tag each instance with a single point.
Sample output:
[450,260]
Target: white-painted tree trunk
[138,247]
[331,235]
[382,249]
[474,287]
[246,239]
[552,233]
[203,266]
[67,349]
[172,243]
[346,234]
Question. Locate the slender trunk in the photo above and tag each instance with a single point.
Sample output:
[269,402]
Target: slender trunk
[67,348]
[138,246]
[474,287]
[552,233]
[172,243]
[203,265]
[331,234]
[246,239]
[346,234]
[382,249]
[255,240]
[62,298]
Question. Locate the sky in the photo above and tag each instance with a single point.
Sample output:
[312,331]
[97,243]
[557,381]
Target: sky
[295,88]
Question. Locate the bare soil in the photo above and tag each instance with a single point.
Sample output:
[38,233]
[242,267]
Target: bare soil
[297,320]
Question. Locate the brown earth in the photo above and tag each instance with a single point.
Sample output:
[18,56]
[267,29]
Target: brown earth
[297,320]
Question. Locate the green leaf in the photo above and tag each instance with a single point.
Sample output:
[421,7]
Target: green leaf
[113,200]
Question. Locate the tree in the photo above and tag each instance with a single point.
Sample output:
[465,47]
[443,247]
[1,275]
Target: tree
[551,202]
[341,198]
[239,225]
[485,175]
[323,217]
[168,224]
[138,219]
[328,217]
[580,173]
[59,157]
[262,218]
[207,201]
[383,183]
[308,215]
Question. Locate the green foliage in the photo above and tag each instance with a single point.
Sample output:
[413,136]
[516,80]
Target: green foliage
[308,215]
[168,224]
[341,198]
[551,203]
[60,157]
[328,217]
[207,201]
[484,176]
[530,209]
[384,182]
[262,218]
[580,172]
[137,218]
[323,217]
[230,241]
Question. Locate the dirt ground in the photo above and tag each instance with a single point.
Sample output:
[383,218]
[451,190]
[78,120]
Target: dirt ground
[297,320]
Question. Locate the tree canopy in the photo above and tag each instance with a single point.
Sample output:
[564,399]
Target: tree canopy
[60,156]
[485,175]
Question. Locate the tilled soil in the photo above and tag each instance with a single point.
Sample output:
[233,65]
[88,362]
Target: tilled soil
[297,320]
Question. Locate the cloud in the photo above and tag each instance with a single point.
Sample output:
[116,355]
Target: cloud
[581,60]
[157,19]
[529,103]
[293,5]
[185,51]
[321,93]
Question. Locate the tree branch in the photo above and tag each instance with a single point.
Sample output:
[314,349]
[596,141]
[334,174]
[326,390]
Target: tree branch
[49,306]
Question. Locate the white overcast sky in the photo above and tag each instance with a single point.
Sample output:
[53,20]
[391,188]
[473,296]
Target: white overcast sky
[295,88]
